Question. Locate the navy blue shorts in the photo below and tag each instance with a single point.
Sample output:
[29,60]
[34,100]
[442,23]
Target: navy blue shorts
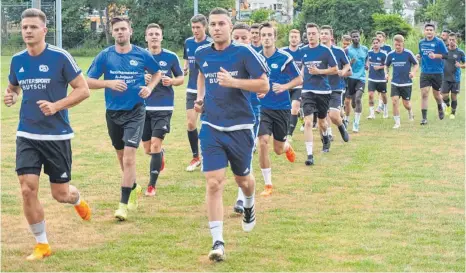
[218,148]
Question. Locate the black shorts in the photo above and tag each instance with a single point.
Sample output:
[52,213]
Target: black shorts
[55,155]
[190,99]
[377,86]
[353,86]
[295,94]
[125,126]
[401,91]
[315,103]
[448,87]
[335,100]
[434,80]
[275,122]
[157,124]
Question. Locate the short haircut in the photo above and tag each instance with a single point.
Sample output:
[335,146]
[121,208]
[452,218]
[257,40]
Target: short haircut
[295,31]
[255,25]
[446,30]
[241,26]
[354,31]
[118,19]
[399,38]
[311,25]
[452,34]
[327,27]
[381,33]
[219,11]
[34,13]
[269,25]
[153,25]
[199,18]
[375,39]
[346,37]
[429,25]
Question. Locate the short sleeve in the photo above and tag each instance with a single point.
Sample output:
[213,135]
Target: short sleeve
[442,48]
[12,76]
[255,64]
[150,64]
[331,59]
[185,53]
[412,58]
[291,69]
[462,57]
[197,59]
[176,67]
[384,58]
[344,59]
[97,67]
[70,68]
[388,60]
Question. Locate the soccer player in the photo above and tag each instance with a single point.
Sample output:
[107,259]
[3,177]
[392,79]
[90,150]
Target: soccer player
[386,49]
[199,38]
[455,60]
[294,38]
[445,34]
[405,67]
[337,83]
[377,80]
[226,70]
[432,50]
[345,41]
[44,133]
[160,104]
[357,54]
[255,37]
[276,104]
[318,62]
[123,67]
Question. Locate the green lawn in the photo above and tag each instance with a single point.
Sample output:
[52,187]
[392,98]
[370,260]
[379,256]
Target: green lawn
[389,200]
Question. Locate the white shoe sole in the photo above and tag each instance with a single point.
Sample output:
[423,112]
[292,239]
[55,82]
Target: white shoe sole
[217,255]
[248,227]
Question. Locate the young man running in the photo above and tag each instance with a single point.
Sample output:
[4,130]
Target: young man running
[377,80]
[275,105]
[318,63]
[255,37]
[160,104]
[386,49]
[226,70]
[404,69]
[199,38]
[445,34]
[44,133]
[454,61]
[432,50]
[123,66]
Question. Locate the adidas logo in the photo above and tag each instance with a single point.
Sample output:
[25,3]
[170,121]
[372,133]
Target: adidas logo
[64,175]
[21,70]
[246,171]
[205,64]
[165,127]
[154,172]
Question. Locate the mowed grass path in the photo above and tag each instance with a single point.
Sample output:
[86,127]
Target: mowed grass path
[389,200]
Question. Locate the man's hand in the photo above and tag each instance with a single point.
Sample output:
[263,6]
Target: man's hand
[224,78]
[48,108]
[313,70]
[387,77]
[411,75]
[147,78]
[117,85]
[418,57]
[457,64]
[10,97]
[166,81]
[199,106]
[262,95]
[278,88]
[144,92]
[185,71]
[431,55]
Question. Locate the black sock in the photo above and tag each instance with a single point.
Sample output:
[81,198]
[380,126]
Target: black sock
[193,141]
[314,121]
[134,185]
[125,192]
[342,129]
[155,165]
[447,101]
[424,113]
[293,122]
[439,107]
[454,104]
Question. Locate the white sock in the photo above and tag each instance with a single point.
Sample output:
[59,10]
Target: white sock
[287,146]
[385,108]
[240,195]
[357,117]
[309,148]
[216,230]
[329,130]
[78,201]
[39,232]
[397,119]
[346,118]
[410,113]
[380,103]
[267,174]
[249,201]
[371,110]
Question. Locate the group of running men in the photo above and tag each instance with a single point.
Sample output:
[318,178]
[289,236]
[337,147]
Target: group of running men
[243,90]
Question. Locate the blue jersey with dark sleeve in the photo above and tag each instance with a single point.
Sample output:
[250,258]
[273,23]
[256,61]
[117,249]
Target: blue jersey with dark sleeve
[322,57]
[297,59]
[190,47]
[359,54]
[386,48]
[451,72]
[129,67]
[162,98]
[336,82]
[43,77]
[401,63]
[282,70]
[225,108]
[428,65]
[376,59]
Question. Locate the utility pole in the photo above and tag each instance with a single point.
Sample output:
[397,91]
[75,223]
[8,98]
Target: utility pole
[58,23]
[196,7]
[36,4]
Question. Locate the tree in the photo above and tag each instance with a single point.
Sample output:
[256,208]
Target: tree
[446,13]
[74,22]
[391,24]
[397,7]
[260,15]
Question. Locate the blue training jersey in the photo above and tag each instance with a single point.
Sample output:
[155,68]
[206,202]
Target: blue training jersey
[386,49]
[190,47]
[451,72]
[225,108]
[162,98]
[322,57]
[402,63]
[297,59]
[337,83]
[428,65]
[359,55]
[282,70]
[43,77]
[129,67]
[257,48]
[376,59]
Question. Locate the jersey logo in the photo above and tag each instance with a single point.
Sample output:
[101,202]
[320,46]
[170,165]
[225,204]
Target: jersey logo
[165,127]
[162,63]
[246,171]
[305,55]
[378,59]
[274,66]
[21,70]
[133,63]
[43,68]
[432,45]
[64,175]
[205,64]
[454,56]
[187,50]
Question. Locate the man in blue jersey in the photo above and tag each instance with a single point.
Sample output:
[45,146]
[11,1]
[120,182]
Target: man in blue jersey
[377,80]
[294,39]
[199,38]
[123,66]
[160,104]
[357,55]
[431,52]
[276,104]
[454,61]
[255,37]
[386,49]
[405,67]
[318,63]
[44,133]
[226,70]
[337,83]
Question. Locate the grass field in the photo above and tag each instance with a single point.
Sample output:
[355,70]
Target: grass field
[389,200]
